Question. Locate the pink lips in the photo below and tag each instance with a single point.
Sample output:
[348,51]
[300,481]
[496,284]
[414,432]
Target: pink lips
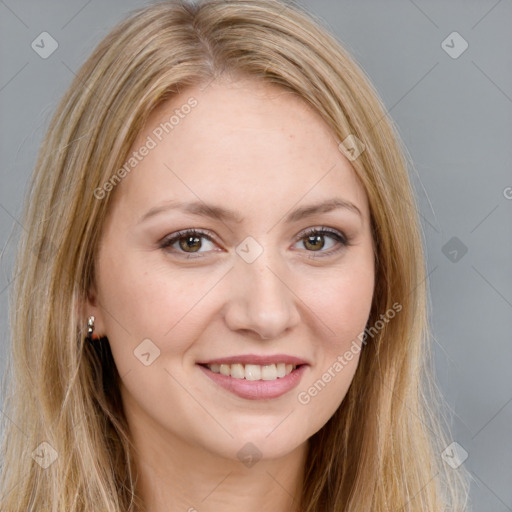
[257,389]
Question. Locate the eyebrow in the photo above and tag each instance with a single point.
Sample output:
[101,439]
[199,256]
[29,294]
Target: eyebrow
[203,209]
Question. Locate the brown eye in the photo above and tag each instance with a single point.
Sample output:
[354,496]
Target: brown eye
[315,240]
[186,242]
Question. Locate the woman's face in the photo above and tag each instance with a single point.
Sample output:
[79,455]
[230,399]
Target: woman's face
[253,171]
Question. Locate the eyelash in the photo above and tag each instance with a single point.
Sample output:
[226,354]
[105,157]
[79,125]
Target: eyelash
[340,237]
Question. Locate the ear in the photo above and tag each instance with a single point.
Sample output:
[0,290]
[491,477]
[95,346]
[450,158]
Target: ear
[92,307]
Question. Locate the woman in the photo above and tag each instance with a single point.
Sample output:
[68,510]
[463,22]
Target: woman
[225,304]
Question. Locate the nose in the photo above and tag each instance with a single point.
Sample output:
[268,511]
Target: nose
[261,300]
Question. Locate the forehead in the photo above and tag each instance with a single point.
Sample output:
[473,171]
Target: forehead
[241,142]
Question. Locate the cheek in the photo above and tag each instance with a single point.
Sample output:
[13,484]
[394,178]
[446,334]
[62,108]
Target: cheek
[341,302]
[342,306]
[146,300]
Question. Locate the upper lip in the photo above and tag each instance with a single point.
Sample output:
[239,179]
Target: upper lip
[256,359]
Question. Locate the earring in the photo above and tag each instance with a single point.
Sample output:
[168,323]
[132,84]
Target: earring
[90,329]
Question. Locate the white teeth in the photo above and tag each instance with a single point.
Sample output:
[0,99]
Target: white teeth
[269,372]
[237,371]
[253,371]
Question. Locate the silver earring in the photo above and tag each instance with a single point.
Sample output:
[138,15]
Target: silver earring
[90,329]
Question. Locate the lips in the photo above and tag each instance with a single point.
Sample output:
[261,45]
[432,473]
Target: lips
[285,374]
[256,389]
[260,360]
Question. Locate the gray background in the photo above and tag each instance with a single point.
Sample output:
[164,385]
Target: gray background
[455,117]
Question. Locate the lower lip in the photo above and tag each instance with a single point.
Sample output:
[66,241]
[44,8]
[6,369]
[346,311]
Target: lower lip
[257,389]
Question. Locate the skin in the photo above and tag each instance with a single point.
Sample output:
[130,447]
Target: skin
[263,152]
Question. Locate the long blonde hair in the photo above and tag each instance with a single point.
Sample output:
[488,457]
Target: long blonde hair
[381,450]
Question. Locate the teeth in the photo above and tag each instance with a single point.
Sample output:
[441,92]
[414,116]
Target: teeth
[253,371]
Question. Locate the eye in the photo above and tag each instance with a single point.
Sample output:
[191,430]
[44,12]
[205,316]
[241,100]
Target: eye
[188,242]
[314,241]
